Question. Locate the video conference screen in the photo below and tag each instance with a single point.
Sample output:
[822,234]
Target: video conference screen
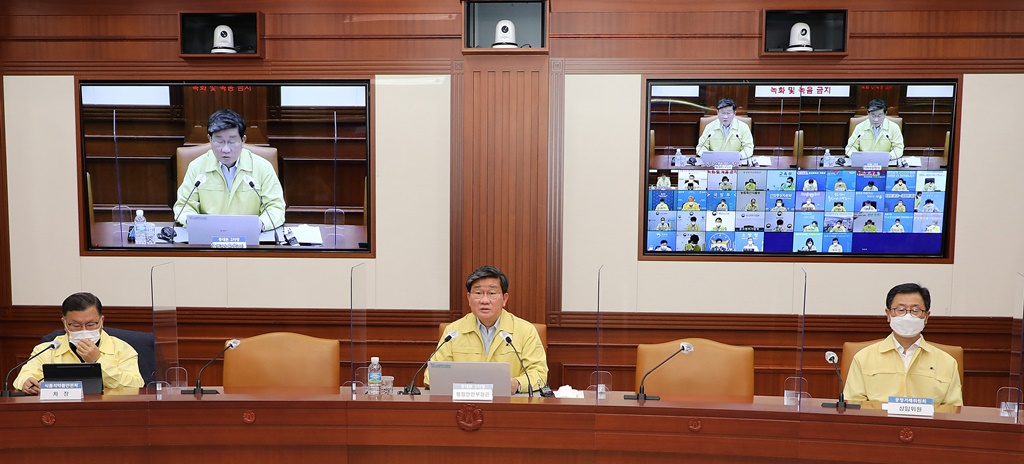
[139,139]
[826,168]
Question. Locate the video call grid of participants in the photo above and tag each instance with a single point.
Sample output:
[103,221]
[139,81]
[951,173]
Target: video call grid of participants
[756,210]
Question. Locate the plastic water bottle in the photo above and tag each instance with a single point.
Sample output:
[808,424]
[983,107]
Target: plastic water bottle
[373,377]
[142,235]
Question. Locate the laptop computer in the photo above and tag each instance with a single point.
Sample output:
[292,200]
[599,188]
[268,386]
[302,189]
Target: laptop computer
[89,374]
[443,374]
[203,229]
[711,159]
[861,158]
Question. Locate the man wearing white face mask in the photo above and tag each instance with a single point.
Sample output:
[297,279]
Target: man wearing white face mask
[904,364]
[84,341]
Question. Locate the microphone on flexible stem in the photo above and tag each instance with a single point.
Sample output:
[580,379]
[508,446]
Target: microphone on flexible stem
[198,391]
[507,337]
[840,405]
[168,233]
[684,347]
[252,183]
[411,388]
[7,392]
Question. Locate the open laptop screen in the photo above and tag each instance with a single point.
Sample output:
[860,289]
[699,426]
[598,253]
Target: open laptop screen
[444,374]
[90,374]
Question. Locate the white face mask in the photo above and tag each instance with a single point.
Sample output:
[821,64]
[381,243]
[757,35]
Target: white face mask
[92,335]
[907,325]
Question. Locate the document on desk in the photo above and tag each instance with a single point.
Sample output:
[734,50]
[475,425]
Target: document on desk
[304,233]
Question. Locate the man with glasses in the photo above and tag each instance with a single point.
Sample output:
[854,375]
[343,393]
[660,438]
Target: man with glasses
[84,341]
[478,340]
[727,133]
[877,133]
[904,364]
[226,166]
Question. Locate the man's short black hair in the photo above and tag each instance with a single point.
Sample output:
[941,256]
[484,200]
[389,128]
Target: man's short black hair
[225,119]
[877,104]
[727,102]
[80,302]
[909,289]
[487,272]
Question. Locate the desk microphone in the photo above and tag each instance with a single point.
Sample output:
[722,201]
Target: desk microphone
[411,388]
[7,392]
[198,391]
[507,337]
[840,405]
[684,347]
[168,233]
[252,183]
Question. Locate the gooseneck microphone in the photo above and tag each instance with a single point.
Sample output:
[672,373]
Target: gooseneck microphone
[507,337]
[168,233]
[840,405]
[7,392]
[684,347]
[198,391]
[411,388]
[252,184]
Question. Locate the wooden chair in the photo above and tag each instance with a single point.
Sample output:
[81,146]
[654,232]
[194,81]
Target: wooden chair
[852,348]
[854,121]
[712,368]
[704,121]
[542,332]
[283,359]
[185,155]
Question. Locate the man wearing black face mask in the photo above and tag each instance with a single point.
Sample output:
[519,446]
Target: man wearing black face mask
[904,364]
[84,341]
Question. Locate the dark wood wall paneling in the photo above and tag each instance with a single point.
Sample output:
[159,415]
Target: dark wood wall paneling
[694,39]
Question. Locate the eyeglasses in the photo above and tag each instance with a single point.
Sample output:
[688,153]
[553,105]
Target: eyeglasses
[491,295]
[222,143]
[88,326]
[913,310]
[877,115]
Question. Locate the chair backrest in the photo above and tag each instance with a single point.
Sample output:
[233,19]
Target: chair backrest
[280,359]
[712,368]
[852,348]
[142,342]
[185,155]
[704,121]
[859,119]
[542,332]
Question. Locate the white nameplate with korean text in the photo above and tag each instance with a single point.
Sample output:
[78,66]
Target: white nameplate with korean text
[907,406]
[472,392]
[61,391]
[227,242]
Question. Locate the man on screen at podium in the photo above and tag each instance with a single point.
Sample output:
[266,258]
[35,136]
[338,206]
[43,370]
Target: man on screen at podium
[904,364]
[877,133]
[226,166]
[727,133]
[478,340]
[84,341]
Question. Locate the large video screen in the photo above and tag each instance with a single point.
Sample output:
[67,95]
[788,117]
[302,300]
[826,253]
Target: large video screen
[300,173]
[830,169]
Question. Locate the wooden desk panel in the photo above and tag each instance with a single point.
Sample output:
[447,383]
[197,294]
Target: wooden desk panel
[284,426]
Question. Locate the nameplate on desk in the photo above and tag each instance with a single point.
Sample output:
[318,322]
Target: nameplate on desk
[907,406]
[227,242]
[472,392]
[872,167]
[60,391]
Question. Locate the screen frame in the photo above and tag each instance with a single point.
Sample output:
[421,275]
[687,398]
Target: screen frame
[369,216]
[644,253]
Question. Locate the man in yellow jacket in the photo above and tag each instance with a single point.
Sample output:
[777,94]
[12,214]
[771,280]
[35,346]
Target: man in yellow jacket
[478,340]
[904,364]
[727,133]
[84,341]
[877,133]
[225,168]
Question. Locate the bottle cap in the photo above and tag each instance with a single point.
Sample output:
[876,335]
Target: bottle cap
[138,212]
[374,360]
